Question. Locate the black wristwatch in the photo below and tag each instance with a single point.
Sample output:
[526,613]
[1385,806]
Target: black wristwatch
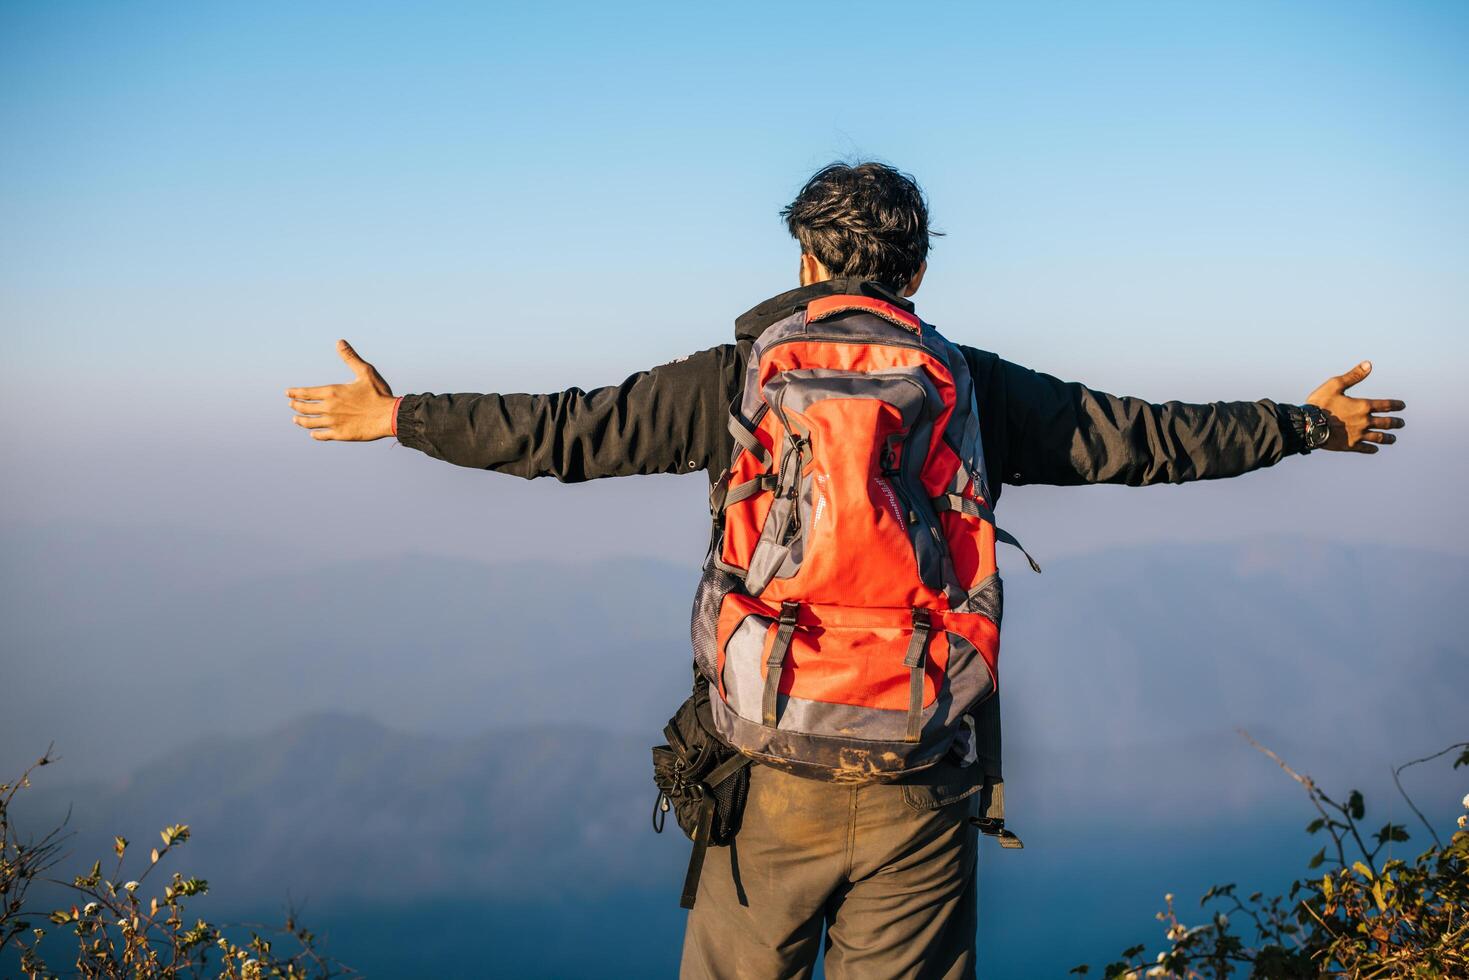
[1312,427]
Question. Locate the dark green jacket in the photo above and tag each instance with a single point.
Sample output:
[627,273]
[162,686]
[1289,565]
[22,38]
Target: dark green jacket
[674,419]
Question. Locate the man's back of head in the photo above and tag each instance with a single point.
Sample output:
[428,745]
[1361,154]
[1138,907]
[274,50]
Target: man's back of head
[864,220]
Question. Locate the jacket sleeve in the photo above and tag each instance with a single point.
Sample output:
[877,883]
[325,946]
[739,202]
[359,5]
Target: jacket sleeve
[669,419]
[1064,433]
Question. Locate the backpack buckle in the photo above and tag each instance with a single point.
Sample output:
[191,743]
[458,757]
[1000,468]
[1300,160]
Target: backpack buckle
[789,612]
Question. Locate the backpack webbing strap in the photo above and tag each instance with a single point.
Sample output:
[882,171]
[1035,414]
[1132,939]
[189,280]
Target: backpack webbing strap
[996,828]
[702,830]
[776,661]
[973,508]
[726,769]
[917,647]
[746,438]
[741,491]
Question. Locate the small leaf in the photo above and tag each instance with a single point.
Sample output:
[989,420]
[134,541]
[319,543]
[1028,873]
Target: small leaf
[1317,859]
[1362,870]
[1393,832]
[119,844]
[1356,805]
[154,855]
[1315,825]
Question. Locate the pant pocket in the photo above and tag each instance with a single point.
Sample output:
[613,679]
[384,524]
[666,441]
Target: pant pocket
[936,797]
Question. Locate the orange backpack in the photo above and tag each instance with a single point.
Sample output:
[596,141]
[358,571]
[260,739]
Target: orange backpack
[849,613]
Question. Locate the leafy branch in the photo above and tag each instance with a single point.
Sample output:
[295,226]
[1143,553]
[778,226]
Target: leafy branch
[1363,918]
[121,931]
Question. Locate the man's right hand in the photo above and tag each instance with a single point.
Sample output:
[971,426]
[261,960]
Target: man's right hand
[359,411]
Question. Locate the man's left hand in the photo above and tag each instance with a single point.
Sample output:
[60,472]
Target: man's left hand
[1357,424]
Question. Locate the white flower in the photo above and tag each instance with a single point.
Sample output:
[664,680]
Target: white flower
[1463,821]
[131,886]
[1177,931]
[1466,801]
[1168,897]
[1162,957]
[1157,971]
[89,908]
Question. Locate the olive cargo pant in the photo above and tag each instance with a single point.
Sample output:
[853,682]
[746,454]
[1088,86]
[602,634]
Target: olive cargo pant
[888,869]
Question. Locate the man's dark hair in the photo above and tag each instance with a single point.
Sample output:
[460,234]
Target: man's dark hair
[865,220]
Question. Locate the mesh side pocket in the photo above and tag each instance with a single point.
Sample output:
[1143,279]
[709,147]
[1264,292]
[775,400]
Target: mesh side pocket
[714,585]
[729,806]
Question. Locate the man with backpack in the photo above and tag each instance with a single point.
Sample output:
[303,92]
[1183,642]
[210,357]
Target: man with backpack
[846,628]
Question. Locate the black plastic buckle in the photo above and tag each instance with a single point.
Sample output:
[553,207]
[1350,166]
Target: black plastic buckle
[788,613]
[718,492]
[921,619]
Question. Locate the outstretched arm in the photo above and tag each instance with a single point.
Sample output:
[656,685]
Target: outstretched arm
[1064,433]
[670,419]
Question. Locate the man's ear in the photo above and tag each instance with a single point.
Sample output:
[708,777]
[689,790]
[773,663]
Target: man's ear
[812,270]
[917,279]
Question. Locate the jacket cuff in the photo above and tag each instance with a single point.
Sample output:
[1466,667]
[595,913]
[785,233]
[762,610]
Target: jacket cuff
[1292,428]
[408,421]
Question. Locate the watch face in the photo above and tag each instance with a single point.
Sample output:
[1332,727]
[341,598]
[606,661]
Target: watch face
[1320,430]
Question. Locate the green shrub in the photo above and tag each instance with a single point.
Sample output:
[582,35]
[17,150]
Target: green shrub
[128,928]
[1361,918]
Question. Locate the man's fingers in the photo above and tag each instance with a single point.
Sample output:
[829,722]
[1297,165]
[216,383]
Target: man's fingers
[1386,405]
[1383,438]
[1349,378]
[320,392]
[1384,422]
[359,367]
[310,421]
[309,408]
[1364,447]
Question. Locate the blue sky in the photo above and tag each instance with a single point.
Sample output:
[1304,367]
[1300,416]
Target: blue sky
[1189,201]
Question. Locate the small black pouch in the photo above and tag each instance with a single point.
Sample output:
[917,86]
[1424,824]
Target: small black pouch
[701,779]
